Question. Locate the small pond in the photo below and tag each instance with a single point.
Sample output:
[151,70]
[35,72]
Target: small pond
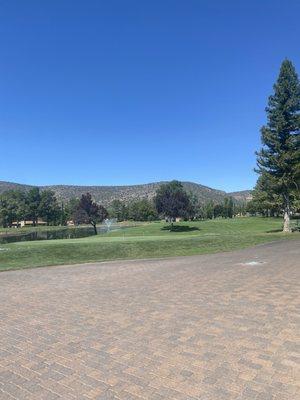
[51,234]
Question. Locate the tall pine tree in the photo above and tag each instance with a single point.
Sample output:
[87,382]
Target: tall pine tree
[278,160]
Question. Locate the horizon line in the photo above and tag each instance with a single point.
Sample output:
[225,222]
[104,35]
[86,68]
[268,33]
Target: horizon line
[126,185]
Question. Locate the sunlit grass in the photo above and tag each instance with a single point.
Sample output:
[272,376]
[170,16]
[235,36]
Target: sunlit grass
[146,241]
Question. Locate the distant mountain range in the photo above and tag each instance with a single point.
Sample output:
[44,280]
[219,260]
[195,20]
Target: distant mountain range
[106,194]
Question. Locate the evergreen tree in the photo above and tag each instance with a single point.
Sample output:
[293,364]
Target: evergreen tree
[265,200]
[278,160]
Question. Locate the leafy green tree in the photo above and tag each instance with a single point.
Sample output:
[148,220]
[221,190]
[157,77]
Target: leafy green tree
[63,216]
[240,208]
[70,208]
[193,206]
[33,200]
[172,201]
[90,212]
[12,207]
[278,160]
[49,208]
[228,207]
[208,210]
[4,220]
[218,210]
[118,210]
[142,210]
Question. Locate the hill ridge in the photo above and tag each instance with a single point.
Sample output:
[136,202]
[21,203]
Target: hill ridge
[106,194]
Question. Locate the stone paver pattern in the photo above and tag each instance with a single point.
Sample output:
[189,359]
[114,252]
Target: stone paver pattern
[210,327]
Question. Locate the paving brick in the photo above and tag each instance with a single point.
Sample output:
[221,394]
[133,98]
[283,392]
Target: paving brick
[196,328]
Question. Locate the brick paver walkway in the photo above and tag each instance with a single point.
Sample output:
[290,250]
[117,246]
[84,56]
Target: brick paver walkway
[203,327]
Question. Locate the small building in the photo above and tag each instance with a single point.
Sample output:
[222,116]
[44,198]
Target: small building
[28,223]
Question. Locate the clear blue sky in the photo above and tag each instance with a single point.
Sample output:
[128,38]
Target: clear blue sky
[124,92]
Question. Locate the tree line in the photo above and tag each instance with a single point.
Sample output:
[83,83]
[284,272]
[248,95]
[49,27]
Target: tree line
[35,205]
[170,202]
[17,205]
[166,205]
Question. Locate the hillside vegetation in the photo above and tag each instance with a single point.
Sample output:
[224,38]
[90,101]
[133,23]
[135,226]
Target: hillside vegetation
[106,194]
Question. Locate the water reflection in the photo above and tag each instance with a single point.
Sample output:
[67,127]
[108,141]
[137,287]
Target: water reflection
[65,233]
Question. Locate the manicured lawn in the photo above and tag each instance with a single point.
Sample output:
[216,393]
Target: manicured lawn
[145,241]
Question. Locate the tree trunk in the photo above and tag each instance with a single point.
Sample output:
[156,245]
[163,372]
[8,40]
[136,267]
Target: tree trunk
[286,215]
[95,229]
